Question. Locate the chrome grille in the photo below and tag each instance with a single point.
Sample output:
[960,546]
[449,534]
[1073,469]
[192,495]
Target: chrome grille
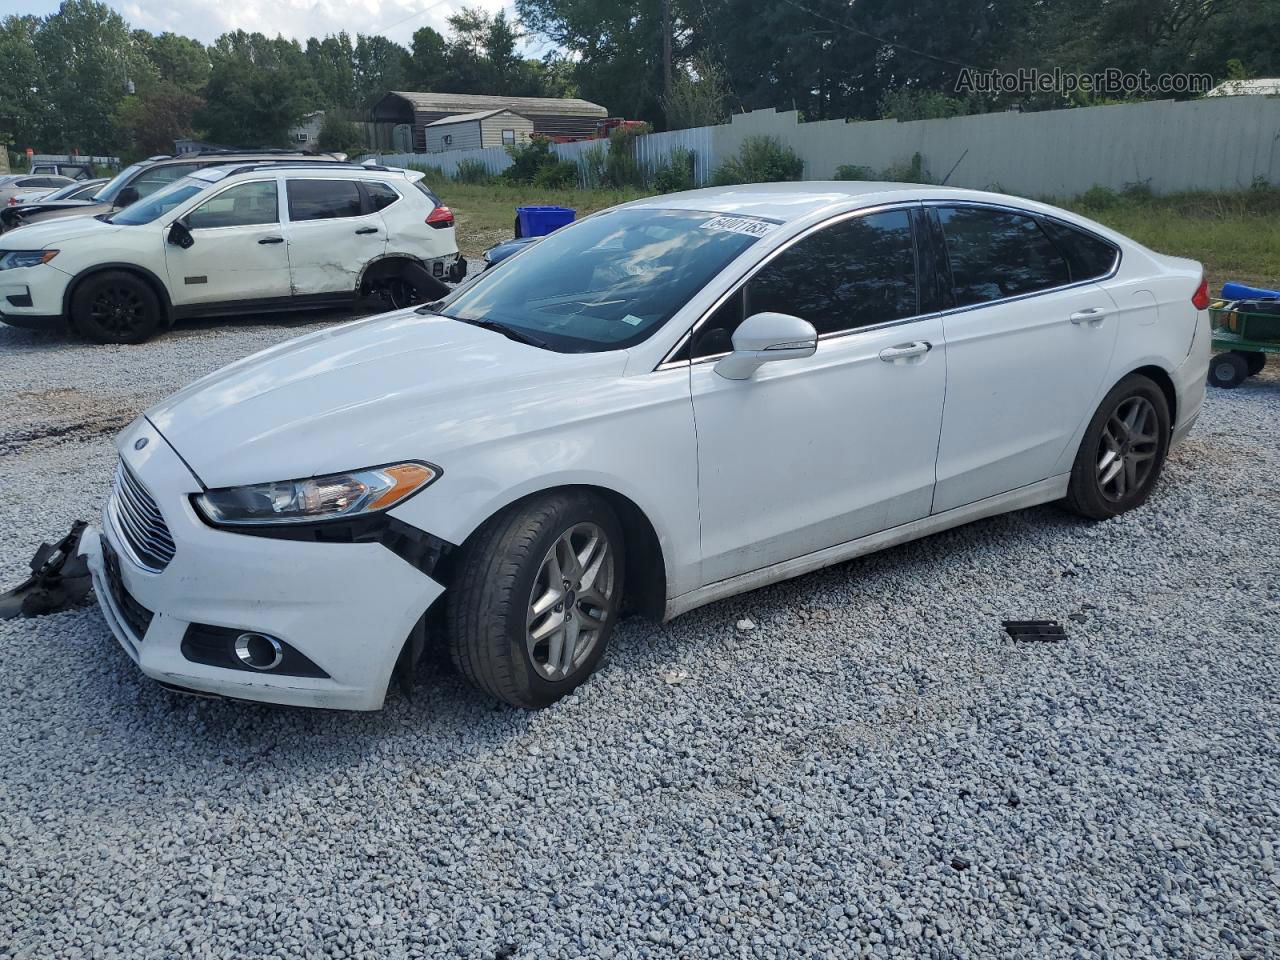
[139,521]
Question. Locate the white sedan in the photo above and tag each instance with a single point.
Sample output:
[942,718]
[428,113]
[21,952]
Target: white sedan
[664,404]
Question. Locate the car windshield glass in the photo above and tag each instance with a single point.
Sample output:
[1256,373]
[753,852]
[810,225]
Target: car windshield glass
[112,187]
[159,203]
[608,282]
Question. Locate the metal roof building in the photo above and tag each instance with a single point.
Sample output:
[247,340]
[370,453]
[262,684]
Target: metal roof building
[552,116]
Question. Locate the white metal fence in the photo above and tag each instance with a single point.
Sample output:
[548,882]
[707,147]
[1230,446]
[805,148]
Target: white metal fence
[1217,143]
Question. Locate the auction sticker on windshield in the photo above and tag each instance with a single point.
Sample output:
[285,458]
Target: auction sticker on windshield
[748,226]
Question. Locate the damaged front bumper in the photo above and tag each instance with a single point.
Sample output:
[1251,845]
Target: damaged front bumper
[344,609]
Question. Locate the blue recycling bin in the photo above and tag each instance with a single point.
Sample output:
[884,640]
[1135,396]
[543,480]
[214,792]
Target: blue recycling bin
[539,221]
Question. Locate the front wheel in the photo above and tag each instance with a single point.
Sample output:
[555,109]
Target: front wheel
[1123,450]
[116,307]
[535,597]
[1256,361]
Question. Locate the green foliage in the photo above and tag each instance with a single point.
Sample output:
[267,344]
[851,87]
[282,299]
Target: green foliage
[760,160]
[1097,198]
[592,163]
[338,134]
[526,159]
[620,166]
[1138,191]
[853,171]
[557,175]
[432,175]
[913,103]
[677,173]
[912,171]
[150,122]
[180,63]
[472,171]
[258,88]
[698,96]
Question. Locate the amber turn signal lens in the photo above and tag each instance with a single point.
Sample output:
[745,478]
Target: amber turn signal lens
[407,478]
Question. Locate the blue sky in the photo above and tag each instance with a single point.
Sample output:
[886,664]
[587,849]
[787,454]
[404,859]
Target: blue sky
[299,19]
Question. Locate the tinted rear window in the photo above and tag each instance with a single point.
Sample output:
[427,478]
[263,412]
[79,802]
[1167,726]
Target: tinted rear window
[995,254]
[323,199]
[1087,255]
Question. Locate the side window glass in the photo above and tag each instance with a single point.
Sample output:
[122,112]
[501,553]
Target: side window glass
[994,255]
[323,199]
[859,272]
[1088,256]
[245,204]
[380,194]
[153,178]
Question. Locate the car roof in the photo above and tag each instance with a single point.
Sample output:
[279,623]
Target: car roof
[785,202]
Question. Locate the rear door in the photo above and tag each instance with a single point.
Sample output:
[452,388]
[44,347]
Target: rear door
[1028,346]
[333,230]
[239,251]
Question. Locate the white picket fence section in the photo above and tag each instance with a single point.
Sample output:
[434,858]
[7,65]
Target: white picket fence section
[654,150]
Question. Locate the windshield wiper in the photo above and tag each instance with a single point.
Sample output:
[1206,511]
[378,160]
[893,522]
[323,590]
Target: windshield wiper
[508,331]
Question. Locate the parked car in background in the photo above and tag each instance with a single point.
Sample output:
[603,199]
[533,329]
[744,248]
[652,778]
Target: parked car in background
[32,185]
[229,239]
[77,194]
[147,176]
[662,405]
[81,190]
[75,169]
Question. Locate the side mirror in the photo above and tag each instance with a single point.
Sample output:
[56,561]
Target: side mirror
[180,236]
[127,196]
[763,338]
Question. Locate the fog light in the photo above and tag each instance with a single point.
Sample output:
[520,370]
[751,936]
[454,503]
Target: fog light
[259,651]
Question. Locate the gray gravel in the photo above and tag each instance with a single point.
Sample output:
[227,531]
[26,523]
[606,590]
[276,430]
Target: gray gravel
[854,763]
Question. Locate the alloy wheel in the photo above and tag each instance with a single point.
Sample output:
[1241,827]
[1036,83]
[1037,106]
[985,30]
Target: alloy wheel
[571,601]
[118,310]
[1128,448]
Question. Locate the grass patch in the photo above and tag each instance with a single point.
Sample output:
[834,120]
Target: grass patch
[1235,235]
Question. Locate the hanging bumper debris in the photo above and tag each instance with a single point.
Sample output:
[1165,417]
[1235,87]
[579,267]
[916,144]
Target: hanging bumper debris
[59,579]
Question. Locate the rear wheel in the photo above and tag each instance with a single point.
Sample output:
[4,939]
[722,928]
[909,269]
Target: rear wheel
[1256,361]
[116,307]
[1123,450]
[535,598]
[1228,370]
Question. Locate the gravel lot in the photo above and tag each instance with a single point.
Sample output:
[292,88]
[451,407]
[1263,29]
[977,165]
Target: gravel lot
[854,763]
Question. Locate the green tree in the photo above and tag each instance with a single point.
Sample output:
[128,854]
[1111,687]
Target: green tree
[258,88]
[380,65]
[150,122]
[90,62]
[427,59]
[22,109]
[178,62]
[340,135]
[332,62]
[698,96]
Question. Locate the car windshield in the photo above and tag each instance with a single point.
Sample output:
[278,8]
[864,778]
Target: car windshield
[112,187]
[159,203]
[63,192]
[608,282]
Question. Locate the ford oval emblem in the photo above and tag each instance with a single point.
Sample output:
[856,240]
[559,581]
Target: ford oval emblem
[140,443]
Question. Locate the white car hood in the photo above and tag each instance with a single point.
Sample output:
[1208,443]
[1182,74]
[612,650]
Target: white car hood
[399,386]
[49,233]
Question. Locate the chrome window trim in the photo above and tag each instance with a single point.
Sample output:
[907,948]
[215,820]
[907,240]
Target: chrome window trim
[669,364]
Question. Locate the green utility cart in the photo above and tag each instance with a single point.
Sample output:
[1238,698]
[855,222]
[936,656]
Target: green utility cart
[1246,331]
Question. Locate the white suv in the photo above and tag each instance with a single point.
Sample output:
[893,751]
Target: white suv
[260,237]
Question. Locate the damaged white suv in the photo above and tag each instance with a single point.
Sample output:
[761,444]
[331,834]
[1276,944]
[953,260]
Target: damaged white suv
[260,237]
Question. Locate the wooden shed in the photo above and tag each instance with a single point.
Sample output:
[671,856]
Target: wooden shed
[552,116]
[468,131]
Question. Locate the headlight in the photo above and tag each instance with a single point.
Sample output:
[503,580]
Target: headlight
[333,497]
[25,258]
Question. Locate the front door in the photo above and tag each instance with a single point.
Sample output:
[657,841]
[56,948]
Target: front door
[333,232]
[239,252]
[1026,352]
[811,453]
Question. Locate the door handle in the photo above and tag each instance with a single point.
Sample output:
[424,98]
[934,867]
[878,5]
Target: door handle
[904,351]
[1092,315]
[367,230]
[272,240]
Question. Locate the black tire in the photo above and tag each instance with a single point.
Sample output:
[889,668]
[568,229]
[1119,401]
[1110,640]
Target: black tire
[1095,490]
[116,307]
[1256,361]
[1228,370]
[490,600]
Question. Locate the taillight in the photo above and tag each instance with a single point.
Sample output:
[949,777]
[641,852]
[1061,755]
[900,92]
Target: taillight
[440,218]
[1200,299]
